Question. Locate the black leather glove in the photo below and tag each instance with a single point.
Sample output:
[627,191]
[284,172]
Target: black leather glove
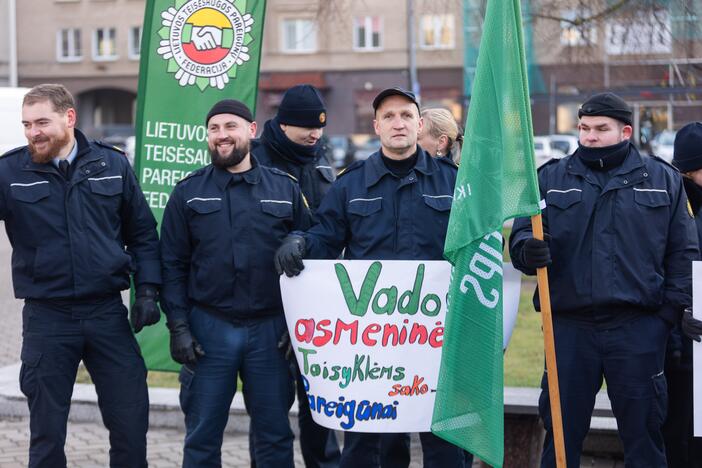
[690,326]
[535,252]
[184,347]
[285,345]
[288,257]
[144,311]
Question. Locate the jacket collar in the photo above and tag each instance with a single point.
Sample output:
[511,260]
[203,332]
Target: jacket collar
[223,177]
[631,163]
[375,169]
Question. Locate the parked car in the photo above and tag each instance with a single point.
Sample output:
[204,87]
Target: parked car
[544,150]
[565,143]
[662,145]
[366,148]
[341,151]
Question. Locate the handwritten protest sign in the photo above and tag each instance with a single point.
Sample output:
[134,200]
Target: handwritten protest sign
[367,336]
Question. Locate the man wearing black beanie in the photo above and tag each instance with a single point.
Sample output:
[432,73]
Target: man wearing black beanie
[618,250]
[221,292]
[291,142]
[682,449]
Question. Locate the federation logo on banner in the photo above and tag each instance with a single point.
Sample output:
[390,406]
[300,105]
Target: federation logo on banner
[203,41]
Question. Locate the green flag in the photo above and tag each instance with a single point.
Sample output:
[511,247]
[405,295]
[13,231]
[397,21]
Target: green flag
[496,181]
[194,53]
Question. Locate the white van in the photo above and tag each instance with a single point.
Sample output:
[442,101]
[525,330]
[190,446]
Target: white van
[12,134]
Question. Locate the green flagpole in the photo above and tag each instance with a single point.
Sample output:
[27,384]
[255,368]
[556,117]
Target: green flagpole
[193,53]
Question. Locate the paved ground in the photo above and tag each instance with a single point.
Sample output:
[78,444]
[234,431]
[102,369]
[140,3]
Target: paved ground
[87,444]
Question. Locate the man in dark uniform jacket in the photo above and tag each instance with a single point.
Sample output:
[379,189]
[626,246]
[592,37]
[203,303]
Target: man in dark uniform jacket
[621,240]
[682,449]
[291,142]
[80,229]
[221,293]
[392,206]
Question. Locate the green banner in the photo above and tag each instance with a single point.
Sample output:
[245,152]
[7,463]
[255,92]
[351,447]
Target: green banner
[496,181]
[193,53]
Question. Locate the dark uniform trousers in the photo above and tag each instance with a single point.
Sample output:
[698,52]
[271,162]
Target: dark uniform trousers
[56,338]
[621,243]
[319,446]
[630,357]
[77,240]
[370,213]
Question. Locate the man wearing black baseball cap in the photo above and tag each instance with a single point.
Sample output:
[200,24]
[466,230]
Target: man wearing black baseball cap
[220,230]
[392,206]
[682,448]
[619,246]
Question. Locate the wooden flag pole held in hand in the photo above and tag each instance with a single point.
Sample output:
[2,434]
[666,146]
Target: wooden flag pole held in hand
[550,351]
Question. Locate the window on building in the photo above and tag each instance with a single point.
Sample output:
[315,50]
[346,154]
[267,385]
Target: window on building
[134,42]
[367,33]
[299,36]
[437,32]
[68,48]
[577,34]
[105,44]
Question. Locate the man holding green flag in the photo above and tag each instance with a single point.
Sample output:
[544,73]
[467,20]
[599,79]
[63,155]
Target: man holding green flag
[496,181]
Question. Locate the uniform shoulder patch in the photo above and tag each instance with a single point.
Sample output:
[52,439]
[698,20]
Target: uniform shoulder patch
[192,174]
[350,168]
[277,171]
[659,159]
[13,151]
[112,147]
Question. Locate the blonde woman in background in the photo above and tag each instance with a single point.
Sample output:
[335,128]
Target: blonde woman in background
[441,136]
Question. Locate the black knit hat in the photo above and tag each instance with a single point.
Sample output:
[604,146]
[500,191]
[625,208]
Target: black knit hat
[302,106]
[687,149]
[607,105]
[230,106]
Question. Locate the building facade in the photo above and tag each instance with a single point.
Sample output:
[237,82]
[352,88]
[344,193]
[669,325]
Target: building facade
[352,49]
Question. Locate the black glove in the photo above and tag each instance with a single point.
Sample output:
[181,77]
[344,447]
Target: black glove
[144,311]
[691,327]
[535,252]
[184,347]
[285,345]
[288,257]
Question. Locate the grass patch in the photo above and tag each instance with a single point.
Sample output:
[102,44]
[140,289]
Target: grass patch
[524,359]
[154,379]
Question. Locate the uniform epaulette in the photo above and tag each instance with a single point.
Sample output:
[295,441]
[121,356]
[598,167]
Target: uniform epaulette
[350,168]
[658,158]
[193,174]
[548,163]
[275,170]
[447,161]
[112,147]
[13,151]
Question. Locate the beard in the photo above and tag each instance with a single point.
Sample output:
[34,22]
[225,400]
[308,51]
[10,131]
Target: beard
[52,149]
[235,156]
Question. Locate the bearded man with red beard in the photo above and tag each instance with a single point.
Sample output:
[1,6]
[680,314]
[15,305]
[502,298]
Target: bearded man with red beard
[80,230]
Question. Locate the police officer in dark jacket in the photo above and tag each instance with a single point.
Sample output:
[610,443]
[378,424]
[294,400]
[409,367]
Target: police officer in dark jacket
[291,142]
[220,230]
[393,206]
[80,228]
[682,449]
[619,250]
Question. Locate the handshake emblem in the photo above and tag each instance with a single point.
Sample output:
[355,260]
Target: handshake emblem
[207,37]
